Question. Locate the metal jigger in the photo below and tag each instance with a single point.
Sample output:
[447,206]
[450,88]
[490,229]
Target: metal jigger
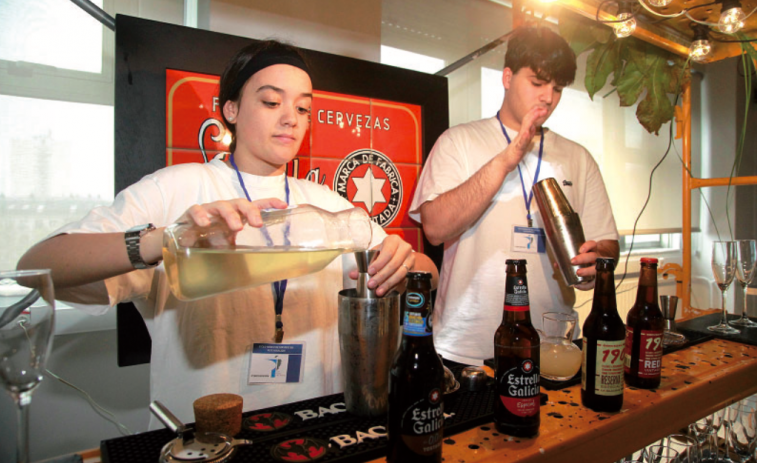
[562,225]
[671,336]
[364,259]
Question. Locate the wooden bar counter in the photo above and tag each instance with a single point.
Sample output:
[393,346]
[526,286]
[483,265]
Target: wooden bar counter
[696,381]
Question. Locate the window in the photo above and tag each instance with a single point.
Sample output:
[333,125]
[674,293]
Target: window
[492,91]
[661,242]
[50,33]
[56,152]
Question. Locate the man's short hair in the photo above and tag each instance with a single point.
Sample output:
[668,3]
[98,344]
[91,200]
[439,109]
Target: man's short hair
[544,51]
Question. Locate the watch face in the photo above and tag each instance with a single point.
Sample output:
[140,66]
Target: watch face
[140,228]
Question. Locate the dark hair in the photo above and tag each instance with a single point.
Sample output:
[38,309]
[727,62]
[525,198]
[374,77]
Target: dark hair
[544,51]
[231,90]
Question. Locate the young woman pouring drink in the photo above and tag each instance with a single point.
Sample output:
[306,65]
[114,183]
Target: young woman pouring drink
[213,345]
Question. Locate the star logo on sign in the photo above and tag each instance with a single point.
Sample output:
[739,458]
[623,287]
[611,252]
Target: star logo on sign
[369,190]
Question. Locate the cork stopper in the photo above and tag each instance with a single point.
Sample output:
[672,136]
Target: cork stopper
[218,413]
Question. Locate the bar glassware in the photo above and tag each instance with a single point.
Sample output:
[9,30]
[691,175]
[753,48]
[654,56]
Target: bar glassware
[724,269]
[746,257]
[27,313]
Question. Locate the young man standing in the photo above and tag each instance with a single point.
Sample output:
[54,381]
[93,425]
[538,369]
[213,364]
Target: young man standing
[475,196]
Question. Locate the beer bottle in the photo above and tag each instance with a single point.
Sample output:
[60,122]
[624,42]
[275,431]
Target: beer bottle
[516,359]
[644,332]
[416,382]
[603,346]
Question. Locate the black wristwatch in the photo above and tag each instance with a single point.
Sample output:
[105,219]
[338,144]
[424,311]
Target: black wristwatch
[133,237]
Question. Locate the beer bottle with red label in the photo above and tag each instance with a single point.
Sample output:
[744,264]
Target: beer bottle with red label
[416,382]
[516,358]
[603,346]
[644,332]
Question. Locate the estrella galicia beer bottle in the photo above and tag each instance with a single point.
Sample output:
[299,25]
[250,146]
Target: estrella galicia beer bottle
[416,382]
[516,358]
[603,346]
[644,331]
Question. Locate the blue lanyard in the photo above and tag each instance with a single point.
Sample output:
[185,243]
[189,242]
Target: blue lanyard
[279,287]
[530,196]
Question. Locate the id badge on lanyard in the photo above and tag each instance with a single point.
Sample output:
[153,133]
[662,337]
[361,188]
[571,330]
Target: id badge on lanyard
[528,240]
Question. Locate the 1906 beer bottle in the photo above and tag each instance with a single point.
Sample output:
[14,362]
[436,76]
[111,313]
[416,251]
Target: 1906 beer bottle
[516,357]
[603,346]
[644,332]
[416,382]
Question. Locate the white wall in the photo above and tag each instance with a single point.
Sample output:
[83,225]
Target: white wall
[342,27]
[719,137]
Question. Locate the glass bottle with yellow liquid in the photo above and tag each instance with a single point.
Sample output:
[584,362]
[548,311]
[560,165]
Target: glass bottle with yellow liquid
[206,261]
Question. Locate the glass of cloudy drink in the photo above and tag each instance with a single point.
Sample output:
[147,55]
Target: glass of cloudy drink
[560,358]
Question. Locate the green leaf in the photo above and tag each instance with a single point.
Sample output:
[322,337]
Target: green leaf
[747,47]
[601,62]
[655,109]
[580,33]
[638,69]
[576,35]
[630,84]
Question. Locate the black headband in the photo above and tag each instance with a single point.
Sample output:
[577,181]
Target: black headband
[265,58]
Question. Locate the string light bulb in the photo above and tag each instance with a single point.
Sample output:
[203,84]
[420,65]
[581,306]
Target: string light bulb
[700,46]
[731,17]
[627,27]
[659,3]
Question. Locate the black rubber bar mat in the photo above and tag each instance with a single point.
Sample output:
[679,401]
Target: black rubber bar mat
[698,327]
[312,430]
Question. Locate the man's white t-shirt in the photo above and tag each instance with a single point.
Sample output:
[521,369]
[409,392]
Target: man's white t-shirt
[203,347]
[471,290]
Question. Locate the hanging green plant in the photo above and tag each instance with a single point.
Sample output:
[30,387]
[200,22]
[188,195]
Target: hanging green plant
[640,70]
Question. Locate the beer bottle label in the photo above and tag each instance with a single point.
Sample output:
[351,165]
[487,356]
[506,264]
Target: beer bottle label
[650,353]
[422,424]
[519,389]
[610,361]
[415,324]
[516,294]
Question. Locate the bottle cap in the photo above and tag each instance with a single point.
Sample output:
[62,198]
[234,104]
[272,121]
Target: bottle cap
[648,260]
[606,261]
[418,275]
[515,262]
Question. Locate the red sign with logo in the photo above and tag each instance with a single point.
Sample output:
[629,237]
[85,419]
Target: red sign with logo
[367,150]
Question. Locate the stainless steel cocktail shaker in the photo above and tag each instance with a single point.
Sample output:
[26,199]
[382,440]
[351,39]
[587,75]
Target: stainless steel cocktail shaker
[562,225]
[369,336]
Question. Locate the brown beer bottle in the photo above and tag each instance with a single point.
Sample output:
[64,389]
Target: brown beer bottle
[516,359]
[644,331]
[604,337]
[416,382]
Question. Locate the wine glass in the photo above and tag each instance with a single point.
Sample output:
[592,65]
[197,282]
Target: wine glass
[719,420]
[724,269]
[746,257]
[743,427]
[27,308]
[687,447]
[661,454]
